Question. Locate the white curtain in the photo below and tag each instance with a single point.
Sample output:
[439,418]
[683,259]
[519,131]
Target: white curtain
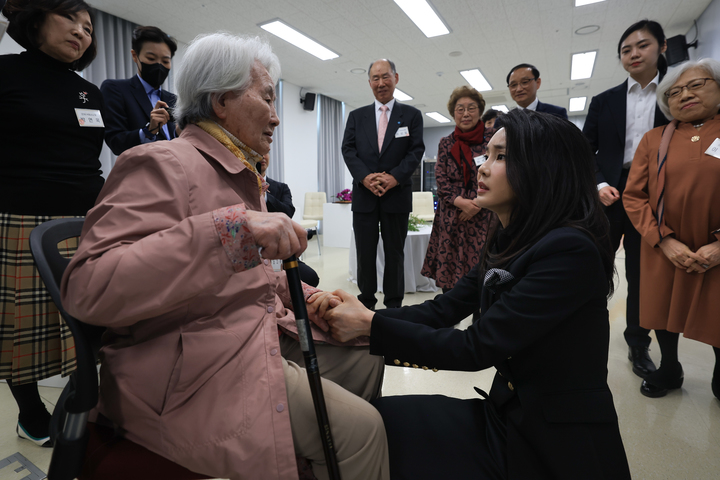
[276,170]
[331,167]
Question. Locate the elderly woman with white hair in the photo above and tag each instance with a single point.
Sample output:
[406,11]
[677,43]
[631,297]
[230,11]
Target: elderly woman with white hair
[199,362]
[672,198]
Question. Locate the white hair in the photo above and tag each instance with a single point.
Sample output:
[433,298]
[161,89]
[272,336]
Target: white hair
[711,66]
[215,64]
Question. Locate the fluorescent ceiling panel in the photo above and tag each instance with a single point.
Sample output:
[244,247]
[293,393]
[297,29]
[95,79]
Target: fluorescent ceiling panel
[577,104]
[500,108]
[438,118]
[476,80]
[424,16]
[402,96]
[580,3]
[582,65]
[300,40]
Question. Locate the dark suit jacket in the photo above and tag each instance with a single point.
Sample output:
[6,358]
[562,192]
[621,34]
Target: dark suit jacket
[399,157]
[605,130]
[128,110]
[547,333]
[279,198]
[552,109]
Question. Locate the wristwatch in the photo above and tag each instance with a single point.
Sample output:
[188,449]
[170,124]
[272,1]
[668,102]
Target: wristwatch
[146,131]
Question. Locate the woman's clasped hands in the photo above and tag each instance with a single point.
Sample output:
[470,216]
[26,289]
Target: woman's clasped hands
[707,256]
[346,317]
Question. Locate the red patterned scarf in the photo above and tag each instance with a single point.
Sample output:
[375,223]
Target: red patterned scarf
[463,140]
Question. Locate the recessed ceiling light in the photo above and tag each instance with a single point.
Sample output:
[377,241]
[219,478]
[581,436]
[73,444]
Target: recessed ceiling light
[300,40]
[587,29]
[357,71]
[402,96]
[438,117]
[580,3]
[500,108]
[424,16]
[577,104]
[476,80]
[582,65]
[455,53]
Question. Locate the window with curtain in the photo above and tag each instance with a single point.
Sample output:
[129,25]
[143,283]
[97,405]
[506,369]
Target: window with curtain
[331,167]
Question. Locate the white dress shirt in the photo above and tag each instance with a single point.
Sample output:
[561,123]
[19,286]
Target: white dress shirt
[639,117]
[532,106]
[390,106]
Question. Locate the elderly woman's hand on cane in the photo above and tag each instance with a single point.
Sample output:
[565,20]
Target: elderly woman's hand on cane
[276,234]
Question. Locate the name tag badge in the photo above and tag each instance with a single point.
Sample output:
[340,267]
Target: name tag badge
[402,132]
[714,149]
[480,159]
[276,265]
[89,118]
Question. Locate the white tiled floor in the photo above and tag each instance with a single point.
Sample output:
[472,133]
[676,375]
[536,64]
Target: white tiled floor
[675,437]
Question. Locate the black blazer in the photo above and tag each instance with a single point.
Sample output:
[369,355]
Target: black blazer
[128,110]
[560,418]
[605,130]
[552,109]
[279,198]
[399,157]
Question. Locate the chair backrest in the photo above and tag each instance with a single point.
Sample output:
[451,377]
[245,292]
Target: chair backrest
[81,393]
[423,203]
[313,208]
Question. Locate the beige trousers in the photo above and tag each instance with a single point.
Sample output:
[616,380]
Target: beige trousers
[357,428]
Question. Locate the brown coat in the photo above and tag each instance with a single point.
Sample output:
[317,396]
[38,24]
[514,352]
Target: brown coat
[670,298]
[191,368]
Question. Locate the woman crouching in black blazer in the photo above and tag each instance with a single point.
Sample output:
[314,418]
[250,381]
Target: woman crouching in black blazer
[542,286]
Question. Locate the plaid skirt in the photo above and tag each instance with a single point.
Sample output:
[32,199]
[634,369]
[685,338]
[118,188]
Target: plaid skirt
[35,343]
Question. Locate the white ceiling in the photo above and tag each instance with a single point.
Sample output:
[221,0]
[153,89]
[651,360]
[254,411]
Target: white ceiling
[493,35]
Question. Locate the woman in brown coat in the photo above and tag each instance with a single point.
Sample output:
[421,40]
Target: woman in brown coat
[461,226]
[676,209]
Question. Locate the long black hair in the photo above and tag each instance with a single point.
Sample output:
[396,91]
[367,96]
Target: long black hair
[26,17]
[551,170]
[654,29]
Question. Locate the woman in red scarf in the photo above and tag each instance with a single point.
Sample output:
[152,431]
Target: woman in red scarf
[461,226]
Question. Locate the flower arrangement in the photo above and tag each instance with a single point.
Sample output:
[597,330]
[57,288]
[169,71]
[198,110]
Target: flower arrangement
[345,195]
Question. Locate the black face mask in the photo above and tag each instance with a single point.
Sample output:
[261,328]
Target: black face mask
[154,73]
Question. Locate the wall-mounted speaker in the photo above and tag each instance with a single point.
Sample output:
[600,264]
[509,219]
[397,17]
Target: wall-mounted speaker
[677,50]
[308,102]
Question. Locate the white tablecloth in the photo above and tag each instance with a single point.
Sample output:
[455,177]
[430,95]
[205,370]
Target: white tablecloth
[416,244]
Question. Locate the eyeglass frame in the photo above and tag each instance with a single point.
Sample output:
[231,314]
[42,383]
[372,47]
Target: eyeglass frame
[524,82]
[474,106]
[680,88]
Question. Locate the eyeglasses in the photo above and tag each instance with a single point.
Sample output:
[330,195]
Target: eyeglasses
[696,84]
[524,82]
[470,109]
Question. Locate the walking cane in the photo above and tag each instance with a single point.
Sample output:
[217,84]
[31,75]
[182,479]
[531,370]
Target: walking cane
[311,366]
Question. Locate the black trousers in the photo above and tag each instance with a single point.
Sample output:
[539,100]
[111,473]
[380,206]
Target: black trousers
[620,224]
[433,437]
[393,227]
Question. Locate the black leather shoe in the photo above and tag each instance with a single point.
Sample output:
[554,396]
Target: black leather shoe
[662,381]
[642,363]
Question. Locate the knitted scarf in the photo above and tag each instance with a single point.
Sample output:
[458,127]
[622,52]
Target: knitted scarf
[238,148]
[463,140]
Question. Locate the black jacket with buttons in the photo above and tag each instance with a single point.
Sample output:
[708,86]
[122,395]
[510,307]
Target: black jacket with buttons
[547,334]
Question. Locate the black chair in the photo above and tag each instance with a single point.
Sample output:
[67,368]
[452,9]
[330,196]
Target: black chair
[86,450]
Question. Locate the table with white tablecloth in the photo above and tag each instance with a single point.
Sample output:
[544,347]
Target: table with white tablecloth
[416,244]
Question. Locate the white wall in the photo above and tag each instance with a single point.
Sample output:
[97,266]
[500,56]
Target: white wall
[7,44]
[431,139]
[300,140]
[709,39]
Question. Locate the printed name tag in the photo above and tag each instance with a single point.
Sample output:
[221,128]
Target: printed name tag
[714,149]
[89,118]
[276,264]
[480,159]
[402,132]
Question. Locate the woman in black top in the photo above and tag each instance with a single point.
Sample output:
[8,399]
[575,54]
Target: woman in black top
[51,132]
[542,288]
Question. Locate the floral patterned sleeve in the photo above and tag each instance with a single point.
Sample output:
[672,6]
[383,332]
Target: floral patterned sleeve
[236,238]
